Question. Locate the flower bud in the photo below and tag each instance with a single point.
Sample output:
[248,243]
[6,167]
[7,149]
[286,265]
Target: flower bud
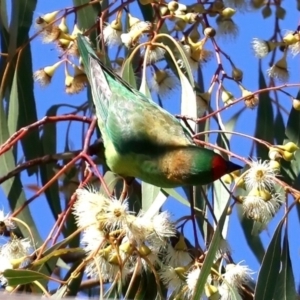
[163,10]
[50,70]
[274,153]
[113,259]
[180,271]
[227,12]
[280,12]
[194,35]
[116,25]
[209,32]
[275,165]
[227,97]
[173,5]
[144,250]
[291,39]
[191,17]
[180,245]
[289,147]
[257,3]
[263,194]
[211,291]
[296,104]
[75,31]
[132,20]
[63,25]
[266,12]
[229,211]
[288,156]
[50,17]
[237,74]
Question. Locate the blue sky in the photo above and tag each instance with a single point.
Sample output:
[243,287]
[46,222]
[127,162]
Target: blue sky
[250,25]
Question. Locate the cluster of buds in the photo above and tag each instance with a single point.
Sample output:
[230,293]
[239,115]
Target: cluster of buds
[286,152]
[66,41]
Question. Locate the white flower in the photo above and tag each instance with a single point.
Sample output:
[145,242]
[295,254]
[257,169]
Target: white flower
[178,255]
[155,230]
[295,48]
[90,203]
[111,36]
[193,64]
[238,274]
[141,26]
[261,175]
[170,278]
[226,27]
[234,277]
[4,219]
[163,82]
[262,210]
[261,48]
[115,213]
[127,39]
[13,250]
[192,279]
[93,239]
[154,54]
[16,248]
[280,69]
[228,292]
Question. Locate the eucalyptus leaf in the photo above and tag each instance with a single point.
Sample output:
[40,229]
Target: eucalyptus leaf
[269,270]
[18,276]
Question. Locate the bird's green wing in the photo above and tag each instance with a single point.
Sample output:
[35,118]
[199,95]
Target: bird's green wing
[132,122]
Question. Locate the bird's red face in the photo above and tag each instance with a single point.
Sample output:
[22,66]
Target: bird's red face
[219,167]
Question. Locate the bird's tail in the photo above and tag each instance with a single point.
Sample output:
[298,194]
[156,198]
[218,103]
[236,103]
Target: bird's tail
[98,77]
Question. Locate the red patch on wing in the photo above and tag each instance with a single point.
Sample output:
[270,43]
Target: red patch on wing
[219,167]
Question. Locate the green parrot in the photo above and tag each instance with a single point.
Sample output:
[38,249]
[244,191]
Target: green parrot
[141,139]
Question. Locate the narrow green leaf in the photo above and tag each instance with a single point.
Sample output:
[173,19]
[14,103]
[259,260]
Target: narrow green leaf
[221,197]
[13,187]
[285,286]
[87,15]
[173,193]
[188,100]
[147,12]
[253,241]
[16,277]
[3,16]
[210,255]
[47,171]
[111,179]
[27,108]
[20,24]
[13,106]
[144,87]
[128,73]
[279,129]
[149,193]
[292,131]
[269,271]
[264,119]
